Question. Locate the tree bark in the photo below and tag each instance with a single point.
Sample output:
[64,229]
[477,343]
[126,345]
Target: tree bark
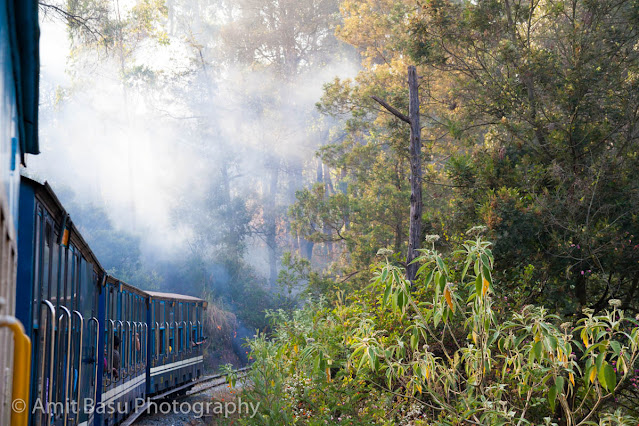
[416,204]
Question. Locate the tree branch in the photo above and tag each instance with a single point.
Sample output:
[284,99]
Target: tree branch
[390,109]
[72,18]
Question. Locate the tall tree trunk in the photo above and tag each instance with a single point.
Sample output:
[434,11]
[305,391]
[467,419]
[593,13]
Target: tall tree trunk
[270,218]
[416,205]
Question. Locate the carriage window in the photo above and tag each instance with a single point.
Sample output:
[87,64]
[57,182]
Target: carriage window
[162,340]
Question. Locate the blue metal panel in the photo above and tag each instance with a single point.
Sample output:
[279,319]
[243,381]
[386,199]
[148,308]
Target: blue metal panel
[26,267]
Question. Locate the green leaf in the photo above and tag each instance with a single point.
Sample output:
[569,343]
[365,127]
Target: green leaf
[484,260]
[493,338]
[552,397]
[478,285]
[465,270]
[442,282]
[387,293]
[537,349]
[414,341]
[600,360]
[616,347]
[429,278]
[610,377]
[552,341]
[372,358]
[442,265]
[362,362]
[486,273]
[400,300]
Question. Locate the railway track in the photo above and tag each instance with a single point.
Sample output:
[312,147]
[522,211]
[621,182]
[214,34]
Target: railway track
[190,389]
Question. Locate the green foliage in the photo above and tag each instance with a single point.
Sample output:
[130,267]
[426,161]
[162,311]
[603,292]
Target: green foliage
[229,371]
[528,128]
[299,281]
[437,352]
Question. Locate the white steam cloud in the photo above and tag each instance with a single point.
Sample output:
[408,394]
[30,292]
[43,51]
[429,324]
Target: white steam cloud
[140,155]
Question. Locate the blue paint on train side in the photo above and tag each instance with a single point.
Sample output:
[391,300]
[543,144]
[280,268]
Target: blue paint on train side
[101,354]
[26,261]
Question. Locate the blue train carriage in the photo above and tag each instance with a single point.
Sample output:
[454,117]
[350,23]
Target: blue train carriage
[57,301]
[19,73]
[175,343]
[123,371]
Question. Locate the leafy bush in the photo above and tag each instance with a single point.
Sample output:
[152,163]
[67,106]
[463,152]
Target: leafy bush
[435,352]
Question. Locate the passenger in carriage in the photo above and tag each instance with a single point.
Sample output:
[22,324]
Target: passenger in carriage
[194,341]
[137,341]
[116,357]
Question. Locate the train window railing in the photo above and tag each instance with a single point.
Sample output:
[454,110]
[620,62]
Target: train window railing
[126,364]
[108,353]
[48,361]
[136,347]
[145,346]
[78,352]
[117,352]
[193,335]
[172,338]
[64,356]
[163,333]
[133,349]
[187,337]
[156,342]
[97,356]
[169,348]
[139,342]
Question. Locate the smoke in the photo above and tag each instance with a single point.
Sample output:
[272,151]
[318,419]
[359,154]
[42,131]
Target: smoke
[147,146]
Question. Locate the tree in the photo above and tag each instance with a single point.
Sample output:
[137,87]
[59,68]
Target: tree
[415,230]
[547,95]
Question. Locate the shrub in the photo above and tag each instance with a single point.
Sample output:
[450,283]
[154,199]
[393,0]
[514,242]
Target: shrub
[434,351]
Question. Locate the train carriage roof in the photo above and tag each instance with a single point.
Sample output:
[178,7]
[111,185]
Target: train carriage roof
[174,296]
[132,289]
[44,193]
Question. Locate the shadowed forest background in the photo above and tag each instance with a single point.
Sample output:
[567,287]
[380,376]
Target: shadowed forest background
[232,149]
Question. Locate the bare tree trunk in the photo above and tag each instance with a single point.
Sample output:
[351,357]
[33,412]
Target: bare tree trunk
[416,204]
[270,219]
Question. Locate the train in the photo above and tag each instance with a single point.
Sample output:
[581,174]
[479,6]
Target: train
[100,346]
[77,345]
